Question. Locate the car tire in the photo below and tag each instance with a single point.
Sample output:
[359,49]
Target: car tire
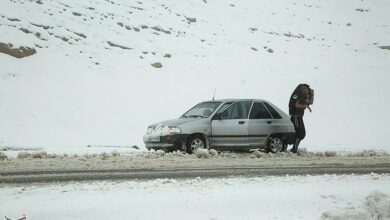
[275,144]
[195,142]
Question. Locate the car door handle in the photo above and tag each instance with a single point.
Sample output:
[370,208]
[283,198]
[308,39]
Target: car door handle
[241,122]
[269,122]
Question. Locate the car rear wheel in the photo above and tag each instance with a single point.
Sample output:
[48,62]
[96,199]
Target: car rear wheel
[195,142]
[275,144]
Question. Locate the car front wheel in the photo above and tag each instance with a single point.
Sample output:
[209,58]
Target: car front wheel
[275,144]
[195,142]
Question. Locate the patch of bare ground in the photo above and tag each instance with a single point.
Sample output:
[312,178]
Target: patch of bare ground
[117,45]
[385,47]
[191,20]
[77,14]
[269,50]
[13,19]
[78,34]
[137,8]
[253,29]
[157,28]
[42,26]
[16,52]
[289,34]
[65,39]
[156,65]
[362,10]
[37,34]
[25,30]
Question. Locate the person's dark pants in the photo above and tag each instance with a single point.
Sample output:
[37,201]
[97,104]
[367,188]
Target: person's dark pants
[300,131]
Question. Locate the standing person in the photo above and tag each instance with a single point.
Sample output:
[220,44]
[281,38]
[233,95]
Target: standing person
[301,99]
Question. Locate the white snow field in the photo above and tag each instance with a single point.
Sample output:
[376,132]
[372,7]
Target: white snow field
[91,81]
[310,197]
[99,72]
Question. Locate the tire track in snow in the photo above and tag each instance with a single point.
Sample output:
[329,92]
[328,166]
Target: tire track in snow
[179,173]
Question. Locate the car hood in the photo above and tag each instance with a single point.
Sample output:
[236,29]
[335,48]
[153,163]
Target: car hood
[175,122]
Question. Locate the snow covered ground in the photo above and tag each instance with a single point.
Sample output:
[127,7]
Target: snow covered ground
[42,161]
[91,80]
[311,197]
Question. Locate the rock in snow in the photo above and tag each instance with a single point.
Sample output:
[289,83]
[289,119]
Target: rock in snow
[156,65]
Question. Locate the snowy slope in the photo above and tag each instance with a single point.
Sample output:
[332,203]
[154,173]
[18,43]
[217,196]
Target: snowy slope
[91,80]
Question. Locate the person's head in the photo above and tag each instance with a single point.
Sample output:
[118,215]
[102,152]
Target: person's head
[305,90]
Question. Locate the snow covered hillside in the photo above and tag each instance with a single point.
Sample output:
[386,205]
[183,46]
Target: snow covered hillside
[98,72]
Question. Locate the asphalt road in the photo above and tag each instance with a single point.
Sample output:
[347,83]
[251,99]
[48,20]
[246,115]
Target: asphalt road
[146,174]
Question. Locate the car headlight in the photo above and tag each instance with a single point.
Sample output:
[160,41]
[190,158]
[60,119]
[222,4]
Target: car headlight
[149,130]
[174,130]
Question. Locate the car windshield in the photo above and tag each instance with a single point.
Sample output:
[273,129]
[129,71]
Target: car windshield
[201,110]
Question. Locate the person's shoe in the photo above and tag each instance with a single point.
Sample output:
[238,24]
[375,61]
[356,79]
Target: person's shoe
[293,151]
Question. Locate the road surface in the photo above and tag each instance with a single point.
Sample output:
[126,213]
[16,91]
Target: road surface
[143,167]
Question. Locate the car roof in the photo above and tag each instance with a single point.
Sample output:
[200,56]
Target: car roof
[234,100]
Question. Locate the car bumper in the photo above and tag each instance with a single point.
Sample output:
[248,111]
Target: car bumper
[172,142]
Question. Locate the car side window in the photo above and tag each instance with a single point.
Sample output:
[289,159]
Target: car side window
[259,112]
[224,107]
[273,112]
[238,110]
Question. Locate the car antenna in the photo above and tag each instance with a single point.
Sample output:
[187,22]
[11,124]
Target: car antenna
[214,93]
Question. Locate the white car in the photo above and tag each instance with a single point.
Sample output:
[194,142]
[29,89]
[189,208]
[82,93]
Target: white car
[235,124]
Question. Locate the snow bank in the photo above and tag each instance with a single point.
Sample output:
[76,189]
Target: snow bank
[3,156]
[115,153]
[376,206]
[30,161]
[33,155]
[365,153]
[204,153]
[213,152]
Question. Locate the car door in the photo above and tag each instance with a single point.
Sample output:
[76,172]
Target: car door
[277,125]
[259,124]
[230,126]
